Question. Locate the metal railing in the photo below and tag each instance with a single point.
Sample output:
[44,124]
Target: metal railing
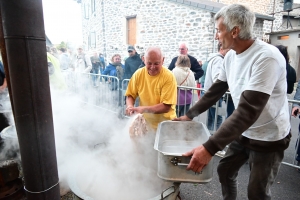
[107,92]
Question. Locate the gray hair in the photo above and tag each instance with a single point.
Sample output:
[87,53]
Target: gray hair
[237,15]
[183,61]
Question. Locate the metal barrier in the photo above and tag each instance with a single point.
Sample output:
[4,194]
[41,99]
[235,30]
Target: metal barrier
[107,92]
[97,90]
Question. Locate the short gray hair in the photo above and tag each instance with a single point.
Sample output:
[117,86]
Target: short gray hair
[238,15]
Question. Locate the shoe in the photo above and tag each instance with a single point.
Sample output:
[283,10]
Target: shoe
[221,153]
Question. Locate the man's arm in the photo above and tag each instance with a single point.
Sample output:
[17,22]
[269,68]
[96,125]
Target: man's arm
[172,65]
[156,109]
[214,93]
[196,68]
[249,109]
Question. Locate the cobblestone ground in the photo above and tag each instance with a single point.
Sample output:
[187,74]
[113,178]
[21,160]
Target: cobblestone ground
[68,196]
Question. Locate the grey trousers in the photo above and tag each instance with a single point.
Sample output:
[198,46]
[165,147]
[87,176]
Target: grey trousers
[263,170]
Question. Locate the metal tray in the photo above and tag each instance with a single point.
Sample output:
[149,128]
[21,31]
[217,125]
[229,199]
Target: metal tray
[172,140]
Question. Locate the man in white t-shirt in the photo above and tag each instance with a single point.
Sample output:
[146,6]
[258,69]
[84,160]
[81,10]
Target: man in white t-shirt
[259,128]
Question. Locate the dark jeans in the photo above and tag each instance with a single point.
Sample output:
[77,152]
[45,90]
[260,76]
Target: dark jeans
[182,109]
[95,77]
[230,108]
[211,117]
[263,170]
[298,147]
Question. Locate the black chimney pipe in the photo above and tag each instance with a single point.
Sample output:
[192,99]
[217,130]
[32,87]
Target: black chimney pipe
[24,35]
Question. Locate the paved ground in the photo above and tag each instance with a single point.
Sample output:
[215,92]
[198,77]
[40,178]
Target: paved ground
[286,186]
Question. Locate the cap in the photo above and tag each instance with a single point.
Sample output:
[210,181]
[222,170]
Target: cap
[130,48]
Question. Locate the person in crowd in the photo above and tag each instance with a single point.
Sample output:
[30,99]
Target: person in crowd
[102,63]
[184,77]
[132,63]
[295,113]
[142,58]
[195,66]
[73,57]
[259,129]
[291,77]
[64,59]
[95,68]
[83,62]
[114,68]
[3,90]
[212,72]
[54,52]
[229,104]
[56,78]
[154,85]
[198,82]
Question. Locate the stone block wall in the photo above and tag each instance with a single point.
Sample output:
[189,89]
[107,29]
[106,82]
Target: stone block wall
[159,23]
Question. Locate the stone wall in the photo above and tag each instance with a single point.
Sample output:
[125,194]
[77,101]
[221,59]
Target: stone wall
[159,23]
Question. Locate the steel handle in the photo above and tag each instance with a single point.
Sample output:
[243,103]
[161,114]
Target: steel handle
[176,161]
[182,164]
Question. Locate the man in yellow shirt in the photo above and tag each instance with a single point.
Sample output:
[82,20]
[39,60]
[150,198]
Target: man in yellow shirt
[156,87]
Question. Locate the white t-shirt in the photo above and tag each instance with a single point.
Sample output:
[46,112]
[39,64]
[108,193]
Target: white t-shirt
[260,68]
[213,70]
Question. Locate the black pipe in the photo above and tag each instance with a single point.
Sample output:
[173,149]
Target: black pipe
[24,35]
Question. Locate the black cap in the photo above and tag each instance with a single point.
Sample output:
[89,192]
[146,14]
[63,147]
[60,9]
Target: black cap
[130,48]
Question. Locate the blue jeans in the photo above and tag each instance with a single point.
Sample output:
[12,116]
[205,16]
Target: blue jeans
[298,148]
[94,77]
[182,109]
[264,167]
[230,108]
[211,117]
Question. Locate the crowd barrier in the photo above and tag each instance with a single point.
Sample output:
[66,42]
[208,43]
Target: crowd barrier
[107,92]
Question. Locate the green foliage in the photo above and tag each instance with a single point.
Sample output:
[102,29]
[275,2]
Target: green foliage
[62,45]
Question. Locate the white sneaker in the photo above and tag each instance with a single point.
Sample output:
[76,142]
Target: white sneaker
[221,153]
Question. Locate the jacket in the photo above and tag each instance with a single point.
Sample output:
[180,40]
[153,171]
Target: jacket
[131,65]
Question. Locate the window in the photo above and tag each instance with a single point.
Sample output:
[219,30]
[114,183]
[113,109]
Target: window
[86,11]
[93,6]
[283,37]
[131,30]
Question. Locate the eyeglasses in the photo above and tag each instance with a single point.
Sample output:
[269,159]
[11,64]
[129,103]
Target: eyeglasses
[181,49]
[129,51]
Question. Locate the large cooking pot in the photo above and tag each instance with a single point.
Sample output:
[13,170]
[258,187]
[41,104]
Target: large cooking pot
[103,184]
[9,143]
[5,105]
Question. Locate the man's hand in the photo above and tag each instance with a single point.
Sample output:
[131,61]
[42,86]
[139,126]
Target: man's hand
[200,158]
[295,111]
[129,110]
[182,118]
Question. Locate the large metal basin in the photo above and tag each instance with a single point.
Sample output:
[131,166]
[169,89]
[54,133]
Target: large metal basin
[98,180]
[174,138]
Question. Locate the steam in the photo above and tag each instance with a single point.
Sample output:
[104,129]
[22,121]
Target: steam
[95,152]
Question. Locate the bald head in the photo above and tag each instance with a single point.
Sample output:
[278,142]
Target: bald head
[153,60]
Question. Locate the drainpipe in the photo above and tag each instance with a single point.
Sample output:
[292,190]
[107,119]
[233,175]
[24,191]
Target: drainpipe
[103,29]
[24,35]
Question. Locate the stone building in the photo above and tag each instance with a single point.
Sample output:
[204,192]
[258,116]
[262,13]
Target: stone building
[110,25]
